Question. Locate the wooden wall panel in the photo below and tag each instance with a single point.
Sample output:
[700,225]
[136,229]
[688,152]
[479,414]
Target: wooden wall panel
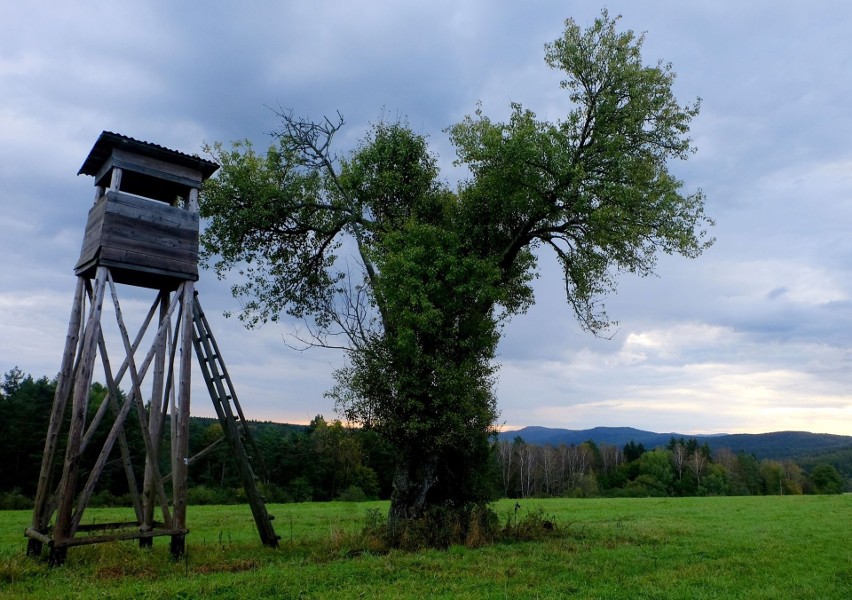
[132,233]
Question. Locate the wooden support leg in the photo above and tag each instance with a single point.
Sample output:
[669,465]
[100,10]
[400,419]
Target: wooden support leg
[82,382]
[60,400]
[155,427]
[180,449]
[177,547]
[57,556]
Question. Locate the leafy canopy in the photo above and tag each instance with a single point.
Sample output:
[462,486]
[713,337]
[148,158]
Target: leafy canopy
[413,279]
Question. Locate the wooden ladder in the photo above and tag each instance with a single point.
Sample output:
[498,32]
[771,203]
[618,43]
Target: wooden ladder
[233,421]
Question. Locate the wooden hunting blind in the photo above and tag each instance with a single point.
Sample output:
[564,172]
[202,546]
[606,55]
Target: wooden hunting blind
[142,231]
[143,225]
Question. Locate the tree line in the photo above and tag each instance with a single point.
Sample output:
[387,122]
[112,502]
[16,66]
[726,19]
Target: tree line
[326,460]
[681,468]
[320,461]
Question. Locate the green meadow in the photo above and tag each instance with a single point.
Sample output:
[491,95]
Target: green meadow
[722,547]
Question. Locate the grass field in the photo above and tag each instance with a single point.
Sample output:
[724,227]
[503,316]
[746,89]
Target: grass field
[747,547]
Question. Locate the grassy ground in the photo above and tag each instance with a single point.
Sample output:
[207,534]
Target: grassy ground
[760,547]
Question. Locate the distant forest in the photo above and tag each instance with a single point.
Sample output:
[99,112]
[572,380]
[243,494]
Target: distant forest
[326,460]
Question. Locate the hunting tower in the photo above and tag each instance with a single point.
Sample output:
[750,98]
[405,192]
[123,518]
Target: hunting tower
[142,231]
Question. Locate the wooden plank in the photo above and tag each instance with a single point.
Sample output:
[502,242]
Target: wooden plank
[116,537]
[147,254]
[153,244]
[147,209]
[92,235]
[132,258]
[135,230]
[143,209]
[147,277]
[128,226]
[127,259]
[158,168]
[152,212]
[115,525]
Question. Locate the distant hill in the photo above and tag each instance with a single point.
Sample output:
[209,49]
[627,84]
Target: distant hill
[782,444]
[777,445]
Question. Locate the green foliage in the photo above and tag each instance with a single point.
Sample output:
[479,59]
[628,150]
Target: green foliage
[656,471]
[25,404]
[826,479]
[436,272]
[318,462]
[353,494]
[595,187]
[840,459]
[15,500]
[633,451]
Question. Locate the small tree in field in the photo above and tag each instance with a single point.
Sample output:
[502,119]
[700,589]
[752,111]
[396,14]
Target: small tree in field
[413,279]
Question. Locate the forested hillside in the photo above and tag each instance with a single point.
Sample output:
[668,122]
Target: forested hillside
[327,460]
[778,445]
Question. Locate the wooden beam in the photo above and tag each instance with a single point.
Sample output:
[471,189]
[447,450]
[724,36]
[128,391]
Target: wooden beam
[136,398]
[112,396]
[192,201]
[119,374]
[180,450]
[114,432]
[117,537]
[199,455]
[82,382]
[155,423]
[38,536]
[115,182]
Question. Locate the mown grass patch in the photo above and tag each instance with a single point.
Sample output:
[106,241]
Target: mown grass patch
[757,547]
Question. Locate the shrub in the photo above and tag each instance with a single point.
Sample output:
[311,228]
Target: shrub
[352,494]
[201,495]
[472,525]
[531,526]
[15,500]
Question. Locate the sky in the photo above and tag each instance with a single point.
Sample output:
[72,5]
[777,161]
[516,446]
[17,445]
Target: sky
[753,336]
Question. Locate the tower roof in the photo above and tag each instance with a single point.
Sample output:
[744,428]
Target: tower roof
[108,141]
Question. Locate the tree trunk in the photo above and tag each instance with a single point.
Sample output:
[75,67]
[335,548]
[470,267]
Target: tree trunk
[413,477]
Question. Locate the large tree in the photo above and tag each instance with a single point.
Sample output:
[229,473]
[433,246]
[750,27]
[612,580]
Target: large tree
[414,279]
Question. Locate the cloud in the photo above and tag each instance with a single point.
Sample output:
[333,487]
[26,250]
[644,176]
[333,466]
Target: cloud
[754,335]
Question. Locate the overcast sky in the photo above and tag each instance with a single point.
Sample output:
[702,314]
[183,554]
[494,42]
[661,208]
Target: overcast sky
[754,336]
